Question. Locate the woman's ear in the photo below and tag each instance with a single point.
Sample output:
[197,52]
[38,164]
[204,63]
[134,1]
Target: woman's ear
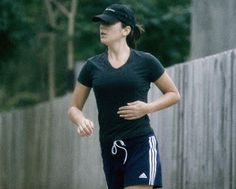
[126,30]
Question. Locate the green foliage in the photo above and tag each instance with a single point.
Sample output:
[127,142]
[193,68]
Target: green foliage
[24,45]
[19,63]
[167,26]
[13,27]
[167,35]
[23,99]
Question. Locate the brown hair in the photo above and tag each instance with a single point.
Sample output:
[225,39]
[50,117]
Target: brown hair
[134,35]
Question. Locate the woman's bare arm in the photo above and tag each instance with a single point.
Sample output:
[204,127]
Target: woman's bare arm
[137,109]
[79,97]
[170,94]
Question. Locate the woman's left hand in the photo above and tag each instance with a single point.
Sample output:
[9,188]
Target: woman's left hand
[133,110]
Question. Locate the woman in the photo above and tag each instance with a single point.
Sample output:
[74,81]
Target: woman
[121,78]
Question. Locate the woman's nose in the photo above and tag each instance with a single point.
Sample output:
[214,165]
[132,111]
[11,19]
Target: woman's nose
[102,25]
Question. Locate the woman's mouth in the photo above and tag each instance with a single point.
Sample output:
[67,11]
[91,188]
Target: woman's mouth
[102,33]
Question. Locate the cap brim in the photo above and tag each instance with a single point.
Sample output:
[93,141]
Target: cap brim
[105,18]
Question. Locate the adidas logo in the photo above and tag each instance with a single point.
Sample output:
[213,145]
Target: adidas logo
[143,175]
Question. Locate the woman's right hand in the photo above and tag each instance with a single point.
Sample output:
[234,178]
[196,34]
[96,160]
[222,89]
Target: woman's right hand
[85,127]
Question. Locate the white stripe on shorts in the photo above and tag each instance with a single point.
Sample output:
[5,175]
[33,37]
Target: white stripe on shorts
[152,160]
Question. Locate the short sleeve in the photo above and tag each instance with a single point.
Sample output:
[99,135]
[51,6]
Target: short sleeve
[155,68]
[85,75]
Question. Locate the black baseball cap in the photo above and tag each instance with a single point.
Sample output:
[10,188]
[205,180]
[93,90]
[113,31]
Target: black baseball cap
[115,13]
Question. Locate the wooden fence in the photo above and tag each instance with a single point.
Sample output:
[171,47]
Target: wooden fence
[197,138]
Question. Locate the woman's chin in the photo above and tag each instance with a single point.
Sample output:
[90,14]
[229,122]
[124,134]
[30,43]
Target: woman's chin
[103,41]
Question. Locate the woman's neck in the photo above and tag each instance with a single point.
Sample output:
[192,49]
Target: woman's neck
[118,51]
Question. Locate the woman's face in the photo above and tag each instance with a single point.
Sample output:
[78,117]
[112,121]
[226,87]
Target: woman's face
[112,33]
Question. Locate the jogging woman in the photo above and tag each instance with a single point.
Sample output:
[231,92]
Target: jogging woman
[120,78]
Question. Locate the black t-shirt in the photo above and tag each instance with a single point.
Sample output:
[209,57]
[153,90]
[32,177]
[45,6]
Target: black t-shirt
[115,87]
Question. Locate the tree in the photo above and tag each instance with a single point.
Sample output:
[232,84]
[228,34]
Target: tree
[25,44]
[15,35]
[70,15]
[165,22]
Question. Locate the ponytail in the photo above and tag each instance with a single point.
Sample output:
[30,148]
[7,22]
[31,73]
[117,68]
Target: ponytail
[134,35]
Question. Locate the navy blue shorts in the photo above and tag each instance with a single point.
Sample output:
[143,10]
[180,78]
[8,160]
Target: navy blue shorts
[132,162]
